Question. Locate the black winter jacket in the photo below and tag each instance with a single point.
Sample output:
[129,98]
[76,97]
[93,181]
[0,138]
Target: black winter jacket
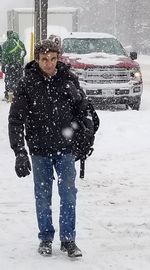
[46,107]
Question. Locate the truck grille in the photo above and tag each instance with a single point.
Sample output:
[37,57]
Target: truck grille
[106,75]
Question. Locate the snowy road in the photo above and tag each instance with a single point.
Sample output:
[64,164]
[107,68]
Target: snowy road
[113,208]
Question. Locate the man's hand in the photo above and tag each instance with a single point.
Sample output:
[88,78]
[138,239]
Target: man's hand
[22,165]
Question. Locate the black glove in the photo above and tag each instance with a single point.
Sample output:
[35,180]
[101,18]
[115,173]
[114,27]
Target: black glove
[22,166]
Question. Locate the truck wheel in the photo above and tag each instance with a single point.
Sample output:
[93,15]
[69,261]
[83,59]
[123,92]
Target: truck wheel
[135,106]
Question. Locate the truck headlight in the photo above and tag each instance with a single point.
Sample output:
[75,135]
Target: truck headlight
[136,75]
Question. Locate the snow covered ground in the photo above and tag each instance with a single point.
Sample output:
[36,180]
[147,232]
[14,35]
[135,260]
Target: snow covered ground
[113,207]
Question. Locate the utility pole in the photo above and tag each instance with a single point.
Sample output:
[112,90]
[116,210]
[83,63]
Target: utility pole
[40,21]
[44,7]
[37,27]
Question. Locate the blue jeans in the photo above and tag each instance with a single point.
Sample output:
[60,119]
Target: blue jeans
[64,166]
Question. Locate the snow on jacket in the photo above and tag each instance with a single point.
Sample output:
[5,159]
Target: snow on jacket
[47,107]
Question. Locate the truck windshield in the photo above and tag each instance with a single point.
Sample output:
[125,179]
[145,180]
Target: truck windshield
[91,45]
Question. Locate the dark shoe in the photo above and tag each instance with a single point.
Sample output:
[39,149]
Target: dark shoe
[71,248]
[45,248]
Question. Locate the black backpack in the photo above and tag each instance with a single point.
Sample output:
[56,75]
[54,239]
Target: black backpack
[86,121]
[84,135]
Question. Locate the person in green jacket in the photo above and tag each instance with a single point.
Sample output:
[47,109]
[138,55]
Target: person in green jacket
[13,53]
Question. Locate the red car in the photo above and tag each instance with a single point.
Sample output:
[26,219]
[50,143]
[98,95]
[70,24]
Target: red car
[107,74]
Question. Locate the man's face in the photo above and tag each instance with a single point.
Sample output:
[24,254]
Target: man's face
[47,62]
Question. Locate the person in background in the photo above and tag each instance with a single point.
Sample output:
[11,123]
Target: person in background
[46,102]
[13,53]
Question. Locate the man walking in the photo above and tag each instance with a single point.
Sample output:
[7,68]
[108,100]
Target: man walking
[46,101]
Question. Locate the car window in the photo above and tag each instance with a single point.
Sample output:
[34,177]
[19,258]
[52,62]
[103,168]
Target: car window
[90,45]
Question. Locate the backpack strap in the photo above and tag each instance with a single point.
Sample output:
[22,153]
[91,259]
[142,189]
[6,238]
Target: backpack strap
[94,115]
